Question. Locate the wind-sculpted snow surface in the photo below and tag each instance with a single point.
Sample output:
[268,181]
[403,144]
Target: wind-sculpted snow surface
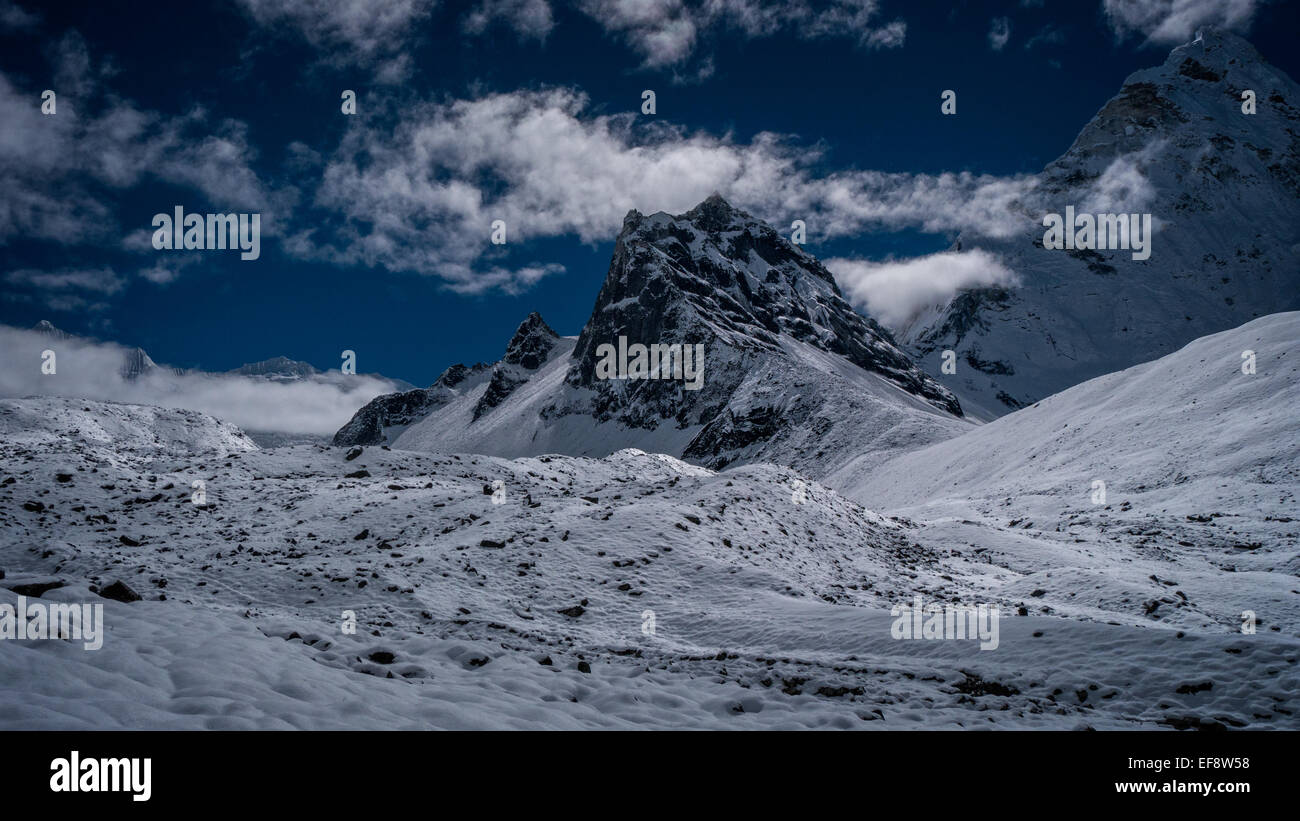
[632,591]
[1166,493]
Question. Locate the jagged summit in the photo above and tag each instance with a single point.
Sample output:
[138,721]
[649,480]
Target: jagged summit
[531,343]
[529,349]
[718,276]
[46,327]
[385,417]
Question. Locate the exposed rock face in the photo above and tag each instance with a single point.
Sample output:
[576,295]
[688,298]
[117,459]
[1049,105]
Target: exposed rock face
[528,350]
[717,276]
[376,421]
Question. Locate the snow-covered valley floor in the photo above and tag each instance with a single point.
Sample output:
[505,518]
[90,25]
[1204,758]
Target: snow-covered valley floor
[530,613]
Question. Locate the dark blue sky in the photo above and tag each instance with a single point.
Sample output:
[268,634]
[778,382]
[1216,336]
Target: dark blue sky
[276,81]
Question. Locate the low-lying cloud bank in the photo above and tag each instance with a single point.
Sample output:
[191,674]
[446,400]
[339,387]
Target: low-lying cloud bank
[93,370]
[894,292]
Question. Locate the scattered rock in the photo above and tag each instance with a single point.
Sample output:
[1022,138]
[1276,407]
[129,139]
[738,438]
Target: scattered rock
[120,591]
[35,589]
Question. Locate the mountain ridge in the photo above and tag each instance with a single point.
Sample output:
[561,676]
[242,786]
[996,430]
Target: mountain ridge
[787,361]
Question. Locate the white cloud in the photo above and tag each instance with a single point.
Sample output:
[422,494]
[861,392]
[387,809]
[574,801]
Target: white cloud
[91,370]
[1176,21]
[15,18]
[98,280]
[1123,187]
[67,290]
[667,33]
[999,33]
[167,268]
[367,33]
[421,196]
[894,292]
[60,169]
[529,19]
[1048,35]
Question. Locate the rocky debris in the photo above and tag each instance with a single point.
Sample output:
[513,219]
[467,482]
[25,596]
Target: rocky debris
[119,591]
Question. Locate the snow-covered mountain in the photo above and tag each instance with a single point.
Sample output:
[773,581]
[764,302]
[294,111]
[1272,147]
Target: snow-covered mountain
[135,362]
[790,372]
[1223,188]
[279,368]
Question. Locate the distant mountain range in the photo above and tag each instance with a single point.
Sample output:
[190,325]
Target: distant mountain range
[137,363]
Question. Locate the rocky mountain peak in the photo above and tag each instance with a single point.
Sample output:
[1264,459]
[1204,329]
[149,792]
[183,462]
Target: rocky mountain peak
[532,343]
[717,276]
[46,327]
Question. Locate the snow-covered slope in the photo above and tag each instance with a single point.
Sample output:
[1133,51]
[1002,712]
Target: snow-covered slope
[50,425]
[1200,467]
[634,591]
[791,373]
[1223,188]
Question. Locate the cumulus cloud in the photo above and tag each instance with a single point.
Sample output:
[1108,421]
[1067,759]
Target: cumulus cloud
[92,370]
[894,292]
[421,196]
[1176,21]
[999,33]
